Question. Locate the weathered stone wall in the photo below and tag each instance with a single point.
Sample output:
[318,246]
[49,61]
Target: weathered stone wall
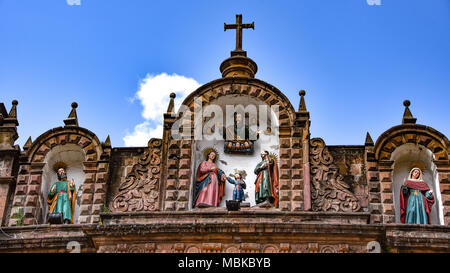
[140,186]
[122,162]
[8,173]
[350,161]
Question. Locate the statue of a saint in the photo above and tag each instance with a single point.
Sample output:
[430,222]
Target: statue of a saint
[416,199]
[62,196]
[239,185]
[210,184]
[266,184]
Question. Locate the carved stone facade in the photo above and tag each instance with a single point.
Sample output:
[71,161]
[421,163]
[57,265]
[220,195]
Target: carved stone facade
[329,191]
[230,248]
[331,198]
[140,190]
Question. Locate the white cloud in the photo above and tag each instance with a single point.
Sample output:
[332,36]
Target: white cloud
[154,91]
[74,2]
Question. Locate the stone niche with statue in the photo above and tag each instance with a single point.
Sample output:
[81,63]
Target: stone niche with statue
[236,139]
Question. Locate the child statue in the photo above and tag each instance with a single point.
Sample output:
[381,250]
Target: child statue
[239,185]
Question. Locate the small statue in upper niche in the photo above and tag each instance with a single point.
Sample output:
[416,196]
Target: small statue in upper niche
[240,138]
[416,199]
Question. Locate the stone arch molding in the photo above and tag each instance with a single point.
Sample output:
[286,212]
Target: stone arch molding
[84,138]
[95,167]
[254,88]
[428,137]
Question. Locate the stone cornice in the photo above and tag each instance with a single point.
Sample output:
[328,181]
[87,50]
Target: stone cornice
[53,238]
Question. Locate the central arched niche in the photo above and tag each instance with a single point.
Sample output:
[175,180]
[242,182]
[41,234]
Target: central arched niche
[74,156]
[404,158]
[229,162]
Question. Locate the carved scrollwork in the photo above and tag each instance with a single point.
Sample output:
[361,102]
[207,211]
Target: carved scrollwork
[125,248]
[329,191]
[140,190]
[328,249]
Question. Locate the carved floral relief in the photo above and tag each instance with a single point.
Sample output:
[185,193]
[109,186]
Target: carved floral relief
[140,190]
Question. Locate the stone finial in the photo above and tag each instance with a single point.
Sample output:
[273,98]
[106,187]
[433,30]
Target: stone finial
[11,118]
[72,120]
[27,145]
[302,106]
[8,124]
[369,140]
[13,111]
[171,107]
[107,142]
[407,116]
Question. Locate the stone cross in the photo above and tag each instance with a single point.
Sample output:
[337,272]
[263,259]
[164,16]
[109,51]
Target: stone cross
[239,26]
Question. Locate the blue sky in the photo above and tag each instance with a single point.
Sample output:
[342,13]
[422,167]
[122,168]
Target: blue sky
[357,62]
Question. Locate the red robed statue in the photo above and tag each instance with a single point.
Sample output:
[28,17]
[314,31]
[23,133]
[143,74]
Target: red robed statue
[416,199]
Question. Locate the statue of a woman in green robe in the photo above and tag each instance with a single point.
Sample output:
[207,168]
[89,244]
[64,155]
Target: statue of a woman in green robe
[61,196]
[416,199]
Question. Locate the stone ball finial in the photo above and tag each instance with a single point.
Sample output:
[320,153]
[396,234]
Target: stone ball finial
[407,103]
[302,93]
[74,105]
[173,95]
[15,102]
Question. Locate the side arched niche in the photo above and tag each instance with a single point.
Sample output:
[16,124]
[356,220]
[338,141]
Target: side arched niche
[404,158]
[72,155]
[395,151]
[88,165]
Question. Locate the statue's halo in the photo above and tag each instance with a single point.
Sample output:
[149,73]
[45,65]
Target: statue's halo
[207,151]
[58,165]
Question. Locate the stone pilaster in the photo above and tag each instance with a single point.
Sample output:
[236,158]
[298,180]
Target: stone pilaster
[386,191]
[443,169]
[9,157]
